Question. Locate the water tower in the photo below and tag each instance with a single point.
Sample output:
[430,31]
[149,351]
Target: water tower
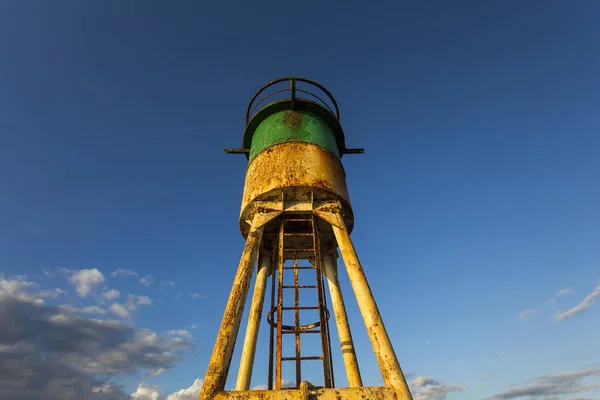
[295,215]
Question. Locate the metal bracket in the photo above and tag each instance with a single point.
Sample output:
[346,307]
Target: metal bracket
[236,151]
[354,151]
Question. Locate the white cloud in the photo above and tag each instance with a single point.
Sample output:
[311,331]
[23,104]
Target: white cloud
[193,326]
[85,279]
[552,386]
[145,392]
[123,272]
[71,356]
[94,310]
[147,280]
[119,310]
[125,309]
[190,393]
[143,300]
[526,313]
[181,333]
[585,305]
[563,292]
[427,388]
[156,371]
[167,285]
[17,286]
[111,294]
[196,296]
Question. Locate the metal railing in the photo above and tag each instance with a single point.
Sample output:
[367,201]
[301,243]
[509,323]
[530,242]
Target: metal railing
[253,106]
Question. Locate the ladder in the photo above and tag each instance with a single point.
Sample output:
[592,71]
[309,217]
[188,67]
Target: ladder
[298,241]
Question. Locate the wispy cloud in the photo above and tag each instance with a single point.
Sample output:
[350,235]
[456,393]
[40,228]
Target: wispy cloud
[526,313]
[124,310]
[180,333]
[552,386]
[94,310]
[147,280]
[196,296]
[585,305]
[111,294]
[123,272]
[167,285]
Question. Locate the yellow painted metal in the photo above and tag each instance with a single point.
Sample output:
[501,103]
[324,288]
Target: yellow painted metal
[341,320]
[361,393]
[220,360]
[382,346]
[256,308]
[300,171]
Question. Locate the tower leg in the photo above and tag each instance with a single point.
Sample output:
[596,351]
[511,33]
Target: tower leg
[384,352]
[220,360]
[341,320]
[256,308]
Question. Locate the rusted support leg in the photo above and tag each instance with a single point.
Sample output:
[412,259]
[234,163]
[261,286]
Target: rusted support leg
[220,360]
[256,308]
[341,320]
[384,352]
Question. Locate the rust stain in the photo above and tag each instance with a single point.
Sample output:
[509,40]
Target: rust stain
[294,164]
[293,119]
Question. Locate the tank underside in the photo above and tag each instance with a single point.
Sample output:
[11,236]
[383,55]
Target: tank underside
[294,172]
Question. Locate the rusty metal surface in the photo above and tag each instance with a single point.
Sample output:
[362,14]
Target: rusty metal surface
[382,346]
[220,360]
[297,234]
[325,343]
[301,170]
[278,341]
[341,320]
[272,328]
[297,323]
[362,393]
[256,308]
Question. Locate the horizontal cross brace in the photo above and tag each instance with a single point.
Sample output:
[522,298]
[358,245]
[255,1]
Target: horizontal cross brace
[358,393]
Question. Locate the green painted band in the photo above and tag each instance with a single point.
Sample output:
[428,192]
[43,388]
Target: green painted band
[293,126]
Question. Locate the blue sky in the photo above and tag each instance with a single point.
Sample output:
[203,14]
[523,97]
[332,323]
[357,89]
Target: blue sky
[476,198]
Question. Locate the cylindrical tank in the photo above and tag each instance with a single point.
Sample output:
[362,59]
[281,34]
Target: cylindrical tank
[294,147]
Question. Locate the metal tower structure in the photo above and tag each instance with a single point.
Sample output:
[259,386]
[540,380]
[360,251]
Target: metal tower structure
[295,214]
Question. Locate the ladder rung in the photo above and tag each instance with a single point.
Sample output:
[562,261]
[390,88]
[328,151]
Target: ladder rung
[297,234]
[298,250]
[299,287]
[297,219]
[300,308]
[301,332]
[302,358]
[299,267]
